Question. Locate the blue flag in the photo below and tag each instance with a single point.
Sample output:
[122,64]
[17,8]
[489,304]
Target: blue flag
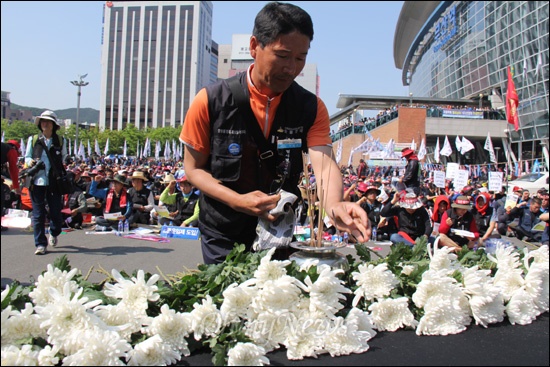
[536,167]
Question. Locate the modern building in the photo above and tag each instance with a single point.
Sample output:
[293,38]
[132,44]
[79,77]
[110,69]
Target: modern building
[235,58]
[457,53]
[156,56]
[462,50]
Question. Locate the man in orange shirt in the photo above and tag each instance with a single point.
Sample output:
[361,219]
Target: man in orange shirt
[234,151]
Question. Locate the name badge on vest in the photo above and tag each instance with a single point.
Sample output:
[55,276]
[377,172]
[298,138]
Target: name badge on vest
[289,143]
[234,149]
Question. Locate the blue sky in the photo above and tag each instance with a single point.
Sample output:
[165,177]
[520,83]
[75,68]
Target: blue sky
[45,45]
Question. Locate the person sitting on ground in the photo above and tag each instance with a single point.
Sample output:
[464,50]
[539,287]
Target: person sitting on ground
[186,212]
[142,199]
[528,217]
[459,217]
[373,207]
[75,205]
[116,199]
[413,220]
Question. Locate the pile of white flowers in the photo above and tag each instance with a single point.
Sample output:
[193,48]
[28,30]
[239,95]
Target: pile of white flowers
[273,309]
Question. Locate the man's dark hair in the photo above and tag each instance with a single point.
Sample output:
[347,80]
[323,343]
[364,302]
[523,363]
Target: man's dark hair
[536,200]
[277,19]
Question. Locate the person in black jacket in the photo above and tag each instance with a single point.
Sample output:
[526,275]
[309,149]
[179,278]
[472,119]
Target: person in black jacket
[142,199]
[411,177]
[413,220]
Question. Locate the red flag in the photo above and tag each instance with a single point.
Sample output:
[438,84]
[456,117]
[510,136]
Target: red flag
[512,102]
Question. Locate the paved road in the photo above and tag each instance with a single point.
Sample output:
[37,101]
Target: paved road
[90,252]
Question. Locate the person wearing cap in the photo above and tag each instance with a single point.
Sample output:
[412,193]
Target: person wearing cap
[116,199]
[413,220]
[46,198]
[184,203]
[411,177]
[10,156]
[459,217]
[142,199]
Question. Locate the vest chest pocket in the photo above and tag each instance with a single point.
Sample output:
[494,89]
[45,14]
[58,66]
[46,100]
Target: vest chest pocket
[227,153]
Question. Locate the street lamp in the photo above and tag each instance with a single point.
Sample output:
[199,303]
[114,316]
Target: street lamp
[410,99]
[480,100]
[498,150]
[79,84]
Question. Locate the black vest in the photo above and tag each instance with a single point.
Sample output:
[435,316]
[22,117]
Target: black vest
[234,157]
[139,197]
[56,152]
[187,208]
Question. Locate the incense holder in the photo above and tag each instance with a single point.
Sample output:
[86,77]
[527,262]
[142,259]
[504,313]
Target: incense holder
[325,254]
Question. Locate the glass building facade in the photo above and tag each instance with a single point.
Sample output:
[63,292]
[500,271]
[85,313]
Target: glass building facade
[156,56]
[463,52]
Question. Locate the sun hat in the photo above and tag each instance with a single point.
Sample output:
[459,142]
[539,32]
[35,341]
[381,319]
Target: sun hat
[372,187]
[406,152]
[46,115]
[120,179]
[410,201]
[168,178]
[361,186]
[138,174]
[462,202]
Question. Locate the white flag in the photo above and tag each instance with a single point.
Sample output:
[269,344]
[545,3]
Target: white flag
[106,147]
[89,149]
[466,146]
[436,151]
[157,150]
[96,148]
[458,143]
[489,147]
[23,148]
[413,145]
[167,150]
[339,152]
[124,152]
[446,150]
[81,150]
[422,150]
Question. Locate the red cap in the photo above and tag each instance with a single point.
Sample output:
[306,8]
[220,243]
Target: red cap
[406,152]
[517,188]
[15,143]
[182,179]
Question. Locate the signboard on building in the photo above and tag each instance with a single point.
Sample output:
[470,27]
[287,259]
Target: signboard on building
[240,47]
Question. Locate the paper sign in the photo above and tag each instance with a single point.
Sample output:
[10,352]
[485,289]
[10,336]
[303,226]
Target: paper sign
[495,181]
[451,170]
[112,216]
[439,179]
[163,212]
[511,200]
[539,227]
[189,233]
[462,233]
[461,179]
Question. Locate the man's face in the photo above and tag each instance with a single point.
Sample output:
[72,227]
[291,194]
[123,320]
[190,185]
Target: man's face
[534,207]
[277,65]
[525,195]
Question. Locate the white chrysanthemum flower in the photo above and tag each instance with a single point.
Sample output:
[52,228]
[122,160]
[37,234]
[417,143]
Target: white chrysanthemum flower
[247,354]
[153,352]
[444,259]
[540,256]
[344,339]
[536,284]
[135,292]
[173,327]
[373,281]
[308,263]
[433,284]
[487,312]
[269,328]
[15,356]
[305,334]
[327,291]
[279,294]
[392,314]
[407,270]
[508,280]
[120,317]
[363,322]
[65,317]
[505,257]
[99,348]
[521,308]
[236,300]
[270,270]
[48,356]
[444,316]
[206,319]
[52,278]
[21,325]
